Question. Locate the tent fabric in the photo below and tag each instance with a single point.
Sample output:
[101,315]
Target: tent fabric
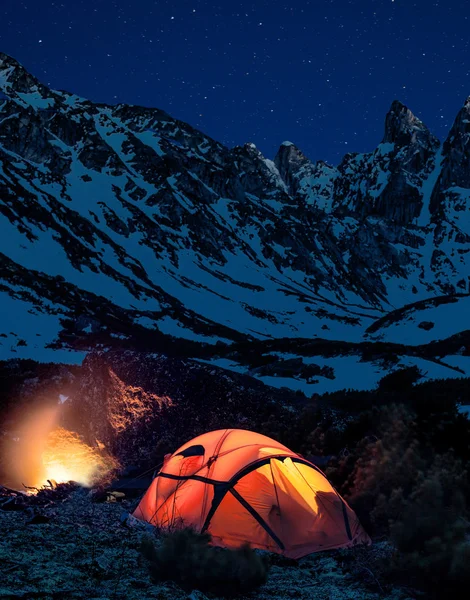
[242,486]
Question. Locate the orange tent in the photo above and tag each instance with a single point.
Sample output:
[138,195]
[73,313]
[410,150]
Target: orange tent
[241,486]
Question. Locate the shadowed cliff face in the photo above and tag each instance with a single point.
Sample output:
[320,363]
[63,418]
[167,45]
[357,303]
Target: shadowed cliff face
[133,406]
[456,164]
[121,226]
[141,406]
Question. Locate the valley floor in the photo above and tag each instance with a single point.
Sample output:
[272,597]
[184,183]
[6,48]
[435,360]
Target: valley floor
[84,552]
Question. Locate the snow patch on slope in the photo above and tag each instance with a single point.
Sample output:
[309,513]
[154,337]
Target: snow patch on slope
[27,331]
[350,372]
[422,326]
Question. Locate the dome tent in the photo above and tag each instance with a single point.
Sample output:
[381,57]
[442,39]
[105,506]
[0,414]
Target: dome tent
[241,486]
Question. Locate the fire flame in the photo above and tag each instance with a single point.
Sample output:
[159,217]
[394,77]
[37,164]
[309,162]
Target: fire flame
[45,451]
[67,458]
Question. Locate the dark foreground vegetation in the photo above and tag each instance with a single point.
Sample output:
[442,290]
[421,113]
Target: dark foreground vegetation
[400,456]
[188,558]
[84,550]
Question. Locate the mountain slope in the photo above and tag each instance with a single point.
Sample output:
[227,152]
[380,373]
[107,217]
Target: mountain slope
[119,223]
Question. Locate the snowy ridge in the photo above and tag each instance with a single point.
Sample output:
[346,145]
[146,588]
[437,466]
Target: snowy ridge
[122,225]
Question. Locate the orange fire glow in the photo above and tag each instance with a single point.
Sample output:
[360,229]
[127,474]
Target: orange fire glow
[67,458]
[45,451]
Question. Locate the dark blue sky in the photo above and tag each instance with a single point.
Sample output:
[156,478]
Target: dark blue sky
[319,73]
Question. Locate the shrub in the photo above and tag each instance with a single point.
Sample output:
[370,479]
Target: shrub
[415,491]
[431,531]
[187,558]
[384,469]
[400,380]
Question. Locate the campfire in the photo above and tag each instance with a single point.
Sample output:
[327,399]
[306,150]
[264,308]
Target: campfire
[44,453]
[67,458]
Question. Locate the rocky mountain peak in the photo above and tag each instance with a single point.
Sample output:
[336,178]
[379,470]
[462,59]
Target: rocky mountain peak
[453,185]
[150,228]
[461,124]
[18,84]
[403,128]
[292,164]
[289,149]
[8,66]
[257,174]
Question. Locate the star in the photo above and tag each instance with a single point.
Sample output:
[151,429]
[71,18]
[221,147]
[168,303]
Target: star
[354,56]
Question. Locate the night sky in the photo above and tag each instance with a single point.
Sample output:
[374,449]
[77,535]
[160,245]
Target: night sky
[321,74]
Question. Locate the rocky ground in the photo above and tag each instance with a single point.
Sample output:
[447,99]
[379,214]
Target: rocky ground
[86,551]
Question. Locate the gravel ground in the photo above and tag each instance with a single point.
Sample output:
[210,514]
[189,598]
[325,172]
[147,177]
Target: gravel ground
[85,552]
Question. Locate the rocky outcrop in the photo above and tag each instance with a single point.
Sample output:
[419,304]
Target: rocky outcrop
[312,183]
[292,165]
[141,405]
[450,203]
[454,177]
[16,81]
[390,181]
[404,129]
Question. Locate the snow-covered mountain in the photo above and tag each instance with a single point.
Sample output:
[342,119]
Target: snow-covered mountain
[121,226]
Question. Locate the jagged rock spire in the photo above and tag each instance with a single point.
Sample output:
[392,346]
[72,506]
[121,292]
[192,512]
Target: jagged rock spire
[14,77]
[16,82]
[460,128]
[456,167]
[402,127]
[290,161]
[312,182]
